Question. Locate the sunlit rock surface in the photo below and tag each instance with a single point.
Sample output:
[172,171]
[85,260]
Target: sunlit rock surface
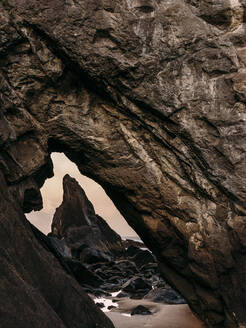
[147,97]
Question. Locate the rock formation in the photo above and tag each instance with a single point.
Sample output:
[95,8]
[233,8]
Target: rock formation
[147,97]
[76,221]
[35,290]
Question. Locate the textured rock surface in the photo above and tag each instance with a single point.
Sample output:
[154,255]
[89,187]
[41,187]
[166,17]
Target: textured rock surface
[164,295]
[76,221]
[147,97]
[35,290]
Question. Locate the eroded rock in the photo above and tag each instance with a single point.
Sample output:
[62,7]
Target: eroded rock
[165,295]
[35,290]
[87,234]
[142,258]
[149,101]
[136,285]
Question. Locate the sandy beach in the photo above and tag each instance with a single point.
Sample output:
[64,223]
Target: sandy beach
[164,316]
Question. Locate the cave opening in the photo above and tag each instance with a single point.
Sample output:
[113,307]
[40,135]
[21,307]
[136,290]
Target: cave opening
[108,268]
[124,267]
[52,195]
[154,111]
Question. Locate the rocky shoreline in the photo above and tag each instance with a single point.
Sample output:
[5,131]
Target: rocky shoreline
[110,269]
[148,99]
[129,289]
[113,271]
[102,262]
[162,315]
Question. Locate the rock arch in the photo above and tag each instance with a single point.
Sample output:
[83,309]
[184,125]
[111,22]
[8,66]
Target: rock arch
[152,107]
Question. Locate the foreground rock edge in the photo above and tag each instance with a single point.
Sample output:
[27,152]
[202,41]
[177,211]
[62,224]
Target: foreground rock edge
[35,289]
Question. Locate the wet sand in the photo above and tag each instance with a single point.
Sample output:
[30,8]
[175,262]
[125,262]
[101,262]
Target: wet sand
[164,316]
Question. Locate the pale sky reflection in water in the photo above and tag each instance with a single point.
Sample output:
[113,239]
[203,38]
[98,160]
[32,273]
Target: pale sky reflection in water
[52,193]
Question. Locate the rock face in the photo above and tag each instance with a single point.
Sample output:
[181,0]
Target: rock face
[35,290]
[75,220]
[135,284]
[147,97]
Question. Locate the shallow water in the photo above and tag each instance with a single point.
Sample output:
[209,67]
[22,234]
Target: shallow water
[126,314]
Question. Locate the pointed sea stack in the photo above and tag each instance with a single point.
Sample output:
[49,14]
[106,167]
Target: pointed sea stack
[75,220]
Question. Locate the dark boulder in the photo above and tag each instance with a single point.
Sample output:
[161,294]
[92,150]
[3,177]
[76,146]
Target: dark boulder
[135,284]
[131,251]
[143,257]
[165,295]
[110,307]
[60,246]
[122,294]
[90,256]
[142,310]
[77,250]
[83,275]
[100,305]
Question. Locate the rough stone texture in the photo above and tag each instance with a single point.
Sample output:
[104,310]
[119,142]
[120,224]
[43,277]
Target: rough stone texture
[75,220]
[35,290]
[60,246]
[147,97]
[164,295]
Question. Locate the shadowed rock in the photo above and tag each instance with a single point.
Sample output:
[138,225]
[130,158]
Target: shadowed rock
[149,101]
[83,275]
[35,289]
[165,295]
[140,309]
[135,285]
[76,221]
[142,258]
